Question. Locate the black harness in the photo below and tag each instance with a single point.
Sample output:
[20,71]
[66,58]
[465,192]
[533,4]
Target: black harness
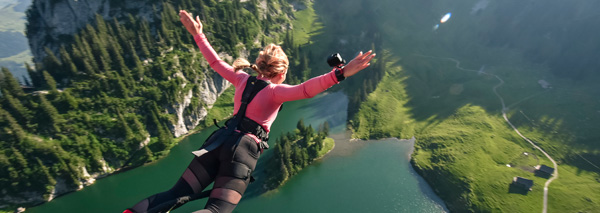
[240,122]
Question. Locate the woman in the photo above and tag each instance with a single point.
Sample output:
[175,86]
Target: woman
[228,157]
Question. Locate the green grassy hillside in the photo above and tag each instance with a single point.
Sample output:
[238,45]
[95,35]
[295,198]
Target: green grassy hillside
[14,54]
[464,147]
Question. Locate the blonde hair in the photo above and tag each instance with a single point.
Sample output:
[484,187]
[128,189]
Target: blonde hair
[270,62]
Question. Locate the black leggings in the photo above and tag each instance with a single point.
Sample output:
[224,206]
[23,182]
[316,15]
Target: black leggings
[230,166]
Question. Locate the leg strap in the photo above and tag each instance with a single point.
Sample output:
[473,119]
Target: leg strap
[237,170]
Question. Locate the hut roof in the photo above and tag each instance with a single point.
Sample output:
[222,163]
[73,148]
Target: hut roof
[523,182]
[546,169]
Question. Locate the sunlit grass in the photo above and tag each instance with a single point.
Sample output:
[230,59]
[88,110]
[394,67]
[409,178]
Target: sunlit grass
[328,144]
[306,25]
[463,153]
[21,58]
[11,20]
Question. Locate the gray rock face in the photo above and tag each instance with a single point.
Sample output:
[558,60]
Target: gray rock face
[211,86]
[53,22]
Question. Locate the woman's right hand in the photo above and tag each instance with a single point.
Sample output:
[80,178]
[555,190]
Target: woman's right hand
[192,26]
[359,63]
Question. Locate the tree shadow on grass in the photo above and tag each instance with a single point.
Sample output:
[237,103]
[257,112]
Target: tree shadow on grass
[579,161]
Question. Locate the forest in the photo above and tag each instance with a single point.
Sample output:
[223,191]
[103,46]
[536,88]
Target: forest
[101,102]
[295,150]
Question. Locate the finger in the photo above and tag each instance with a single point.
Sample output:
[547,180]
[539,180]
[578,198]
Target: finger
[198,19]
[189,15]
[184,14]
[359,54]
[367,54]
[371,57]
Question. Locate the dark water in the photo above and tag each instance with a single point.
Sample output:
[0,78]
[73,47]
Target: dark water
[357,176]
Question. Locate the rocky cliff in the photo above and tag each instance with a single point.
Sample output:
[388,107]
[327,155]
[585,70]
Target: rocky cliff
[210,88]
[52,23]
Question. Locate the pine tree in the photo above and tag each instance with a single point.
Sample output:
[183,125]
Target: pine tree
[285,173]
[44,173]
[48,115]
[88,68]
[71,102]
[101,26]
[126,130]
[139,67]
[35,78]
[139,127]
[87,55]
[300,125]
[147,154]
[26,81]
[16,108]
[117,58]
[132,21]
[313,151]
[50,82]
[308,134]
[164,136]
[15,129]
[98,44]
[304,67]
[120,33]
[20,162]
[142,44]
[324,130]
[52,63]
[95,154]
[67,62]
[9,83]
[319,143]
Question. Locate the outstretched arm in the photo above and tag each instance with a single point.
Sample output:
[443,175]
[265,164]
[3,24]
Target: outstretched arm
[194,27]
[316,85]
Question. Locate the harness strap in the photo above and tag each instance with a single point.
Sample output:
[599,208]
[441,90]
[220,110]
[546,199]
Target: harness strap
[253,86]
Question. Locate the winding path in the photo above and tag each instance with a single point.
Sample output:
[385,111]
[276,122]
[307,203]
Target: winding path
[504,110]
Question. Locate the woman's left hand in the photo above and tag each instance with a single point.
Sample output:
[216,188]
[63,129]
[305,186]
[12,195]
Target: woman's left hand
[192,26]
[359,63]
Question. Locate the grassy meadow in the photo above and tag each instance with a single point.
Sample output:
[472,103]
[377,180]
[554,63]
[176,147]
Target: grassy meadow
[464,148]
[14,54]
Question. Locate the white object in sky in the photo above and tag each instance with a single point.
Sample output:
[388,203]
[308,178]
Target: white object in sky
[436,27]
[446,17]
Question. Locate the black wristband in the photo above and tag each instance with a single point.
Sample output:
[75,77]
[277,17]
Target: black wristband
[339,74]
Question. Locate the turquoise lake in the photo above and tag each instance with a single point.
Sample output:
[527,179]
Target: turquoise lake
[356,176]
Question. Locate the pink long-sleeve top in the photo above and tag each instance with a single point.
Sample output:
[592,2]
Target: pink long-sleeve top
[264,107]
